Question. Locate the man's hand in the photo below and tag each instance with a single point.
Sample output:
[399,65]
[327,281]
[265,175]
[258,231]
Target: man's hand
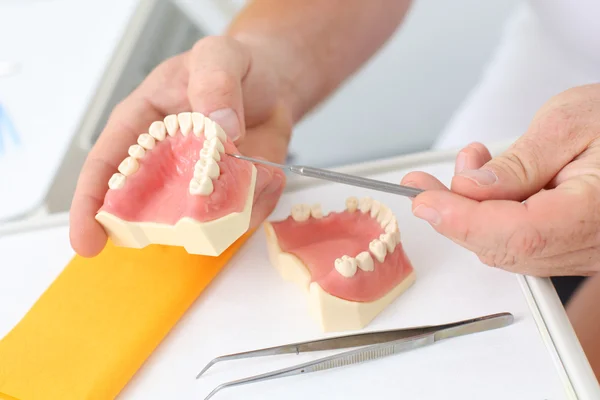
[535,209]
[270,69]
[219,77]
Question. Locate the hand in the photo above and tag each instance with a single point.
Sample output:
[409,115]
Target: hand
[534,209]
[219,77]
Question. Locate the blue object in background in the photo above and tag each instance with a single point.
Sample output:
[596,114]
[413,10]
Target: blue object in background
[7,130]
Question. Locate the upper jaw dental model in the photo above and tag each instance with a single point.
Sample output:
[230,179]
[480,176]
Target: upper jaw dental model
[178,188]
[351,263]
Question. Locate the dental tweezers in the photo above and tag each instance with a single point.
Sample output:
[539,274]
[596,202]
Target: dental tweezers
[381,344]
[338,177]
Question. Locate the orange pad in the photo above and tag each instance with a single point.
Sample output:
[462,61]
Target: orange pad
[98,322]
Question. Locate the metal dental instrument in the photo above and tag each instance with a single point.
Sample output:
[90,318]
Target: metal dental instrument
[382,344]
[338,177]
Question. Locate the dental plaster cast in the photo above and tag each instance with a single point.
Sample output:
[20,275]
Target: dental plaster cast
[177,187]
[351,263]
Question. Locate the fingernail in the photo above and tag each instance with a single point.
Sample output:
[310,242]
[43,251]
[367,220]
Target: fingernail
[461,160]
[228,120]
[482,177]
[428,214]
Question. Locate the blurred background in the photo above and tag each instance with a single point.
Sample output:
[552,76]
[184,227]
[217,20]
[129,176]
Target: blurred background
[63,71]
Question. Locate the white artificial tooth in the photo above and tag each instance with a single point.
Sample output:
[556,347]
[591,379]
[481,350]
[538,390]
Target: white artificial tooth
[146,141]
[129,166]
[351,204]
[392,228]
[207,167]
[212,129]
[316,211]
[202,186]
[185,122]
[172,124]
[385,215]
[214,143]
[364,204]
[365,261]
[198,123]
[136,151]
[300,212]
[375,208]
[378,249]
[389,240]
[346,266]
[158,130]
[117,181]
[210,153]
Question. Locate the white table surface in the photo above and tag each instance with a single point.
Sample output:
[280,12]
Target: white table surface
[249,306]
[61,48]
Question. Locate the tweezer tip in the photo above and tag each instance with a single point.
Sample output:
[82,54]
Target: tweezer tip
[215,390]
[210,364]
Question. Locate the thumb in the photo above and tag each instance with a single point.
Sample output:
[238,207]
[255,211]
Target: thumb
[523,169]
[217,67]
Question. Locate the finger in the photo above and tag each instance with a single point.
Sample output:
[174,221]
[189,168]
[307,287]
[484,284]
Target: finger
[503,232]
[422,180]
[219,74]
[128,120]
[87,236]
[587,163]
[554,138]
[474,156]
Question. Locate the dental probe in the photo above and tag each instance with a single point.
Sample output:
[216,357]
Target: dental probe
[338,177]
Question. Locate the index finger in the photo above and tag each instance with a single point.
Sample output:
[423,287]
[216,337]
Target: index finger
[504,232]
[128,120]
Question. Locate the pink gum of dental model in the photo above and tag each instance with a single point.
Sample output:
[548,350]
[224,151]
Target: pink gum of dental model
[177,187]
[351,263]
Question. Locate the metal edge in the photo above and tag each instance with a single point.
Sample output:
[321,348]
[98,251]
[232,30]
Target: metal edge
[544,331]
[571,354]
[543,301]
[41,222]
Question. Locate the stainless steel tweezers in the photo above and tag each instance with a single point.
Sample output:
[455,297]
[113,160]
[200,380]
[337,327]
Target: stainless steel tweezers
[382,344]
[338,177]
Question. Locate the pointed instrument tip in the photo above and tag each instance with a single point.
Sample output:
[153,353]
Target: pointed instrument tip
[210,364]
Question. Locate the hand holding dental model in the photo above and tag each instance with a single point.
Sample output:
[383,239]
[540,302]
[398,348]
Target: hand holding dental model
[535,209]
[219,79]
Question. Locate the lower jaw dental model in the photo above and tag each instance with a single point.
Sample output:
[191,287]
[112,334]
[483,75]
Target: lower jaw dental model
[351,263]
[178,188]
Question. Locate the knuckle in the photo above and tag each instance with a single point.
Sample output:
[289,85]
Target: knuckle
[223,80]
[561,122]
[520,248]
[523,160]
[209,43]
[465,234]
[526,243]
[215,82]
[497,258]
[514,165]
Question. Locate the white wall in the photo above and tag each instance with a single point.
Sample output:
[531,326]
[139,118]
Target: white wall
[404,97]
